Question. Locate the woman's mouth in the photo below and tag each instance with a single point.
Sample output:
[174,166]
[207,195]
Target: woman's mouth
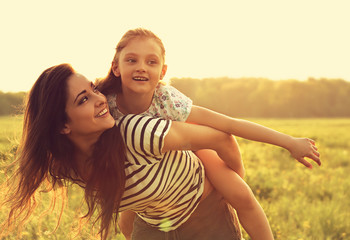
[103,112]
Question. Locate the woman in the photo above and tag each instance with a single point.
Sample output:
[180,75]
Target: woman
[69,136]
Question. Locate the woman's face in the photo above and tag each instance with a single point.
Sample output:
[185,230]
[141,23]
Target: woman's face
[86,108]
[140,66]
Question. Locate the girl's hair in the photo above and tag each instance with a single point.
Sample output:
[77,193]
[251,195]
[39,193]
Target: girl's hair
[46,155]
[111,83]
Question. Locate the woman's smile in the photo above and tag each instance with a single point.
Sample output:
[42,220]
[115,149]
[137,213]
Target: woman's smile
[102,113]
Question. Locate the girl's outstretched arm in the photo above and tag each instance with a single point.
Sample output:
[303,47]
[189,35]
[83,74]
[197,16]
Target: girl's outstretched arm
[298,147]
[185,136]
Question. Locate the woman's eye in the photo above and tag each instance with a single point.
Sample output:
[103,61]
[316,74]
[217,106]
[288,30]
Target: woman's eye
[84,99]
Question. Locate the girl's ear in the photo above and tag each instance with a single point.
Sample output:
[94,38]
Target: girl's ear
[65,130]
[165,67]
[115,69]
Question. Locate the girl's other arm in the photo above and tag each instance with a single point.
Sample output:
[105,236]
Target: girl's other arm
[298,147]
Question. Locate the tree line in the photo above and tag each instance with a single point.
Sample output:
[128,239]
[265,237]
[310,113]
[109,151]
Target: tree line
[249,97]
[11,103]
[258,97]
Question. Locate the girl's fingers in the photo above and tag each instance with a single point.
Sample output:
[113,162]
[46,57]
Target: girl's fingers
[305,163]
[315,156]
[311,141]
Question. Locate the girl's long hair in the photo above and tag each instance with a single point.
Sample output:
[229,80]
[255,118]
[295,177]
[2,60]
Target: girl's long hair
[46,155]
[112,84]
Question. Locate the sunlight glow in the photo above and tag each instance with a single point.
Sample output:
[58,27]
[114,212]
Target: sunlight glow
[272,39]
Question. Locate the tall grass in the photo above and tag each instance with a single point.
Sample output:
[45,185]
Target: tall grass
[301,204]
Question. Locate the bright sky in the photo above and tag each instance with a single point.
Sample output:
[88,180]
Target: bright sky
[276,39]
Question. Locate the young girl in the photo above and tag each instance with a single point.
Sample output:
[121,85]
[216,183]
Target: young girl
[133,85]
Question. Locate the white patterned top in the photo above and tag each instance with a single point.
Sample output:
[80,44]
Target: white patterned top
[167,103]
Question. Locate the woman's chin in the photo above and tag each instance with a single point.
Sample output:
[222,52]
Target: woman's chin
[111,122]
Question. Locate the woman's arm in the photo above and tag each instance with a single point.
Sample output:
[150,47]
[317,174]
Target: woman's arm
[298,147]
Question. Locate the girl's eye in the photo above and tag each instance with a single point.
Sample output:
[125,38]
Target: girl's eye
[95,89]
[130,60]
[152,62]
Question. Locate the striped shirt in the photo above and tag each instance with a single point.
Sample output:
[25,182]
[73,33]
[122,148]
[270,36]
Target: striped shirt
[163,188]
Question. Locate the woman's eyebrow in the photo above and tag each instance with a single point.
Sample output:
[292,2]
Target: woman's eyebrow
[92,85]
[82,92]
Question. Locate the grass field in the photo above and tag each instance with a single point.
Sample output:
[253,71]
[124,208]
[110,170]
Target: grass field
[301,204]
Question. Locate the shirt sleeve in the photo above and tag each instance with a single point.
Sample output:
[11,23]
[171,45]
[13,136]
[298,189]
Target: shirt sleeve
[170,103]
[143,137]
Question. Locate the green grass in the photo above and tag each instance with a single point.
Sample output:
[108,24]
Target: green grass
[10,131]
[301,204]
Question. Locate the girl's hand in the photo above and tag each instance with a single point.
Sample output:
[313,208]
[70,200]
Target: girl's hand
[304,147]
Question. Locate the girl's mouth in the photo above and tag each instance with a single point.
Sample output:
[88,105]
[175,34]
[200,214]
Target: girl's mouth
[142,79]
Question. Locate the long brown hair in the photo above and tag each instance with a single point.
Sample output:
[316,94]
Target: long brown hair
[46,155]
[111,83]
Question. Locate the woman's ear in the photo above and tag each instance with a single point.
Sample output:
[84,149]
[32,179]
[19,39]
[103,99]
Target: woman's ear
[164,69]
[115,69]
[65,130]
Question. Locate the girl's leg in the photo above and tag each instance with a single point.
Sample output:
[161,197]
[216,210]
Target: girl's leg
[238,194]
[212,219]
[126,222]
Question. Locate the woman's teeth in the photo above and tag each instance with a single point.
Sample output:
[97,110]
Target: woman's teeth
[104,111]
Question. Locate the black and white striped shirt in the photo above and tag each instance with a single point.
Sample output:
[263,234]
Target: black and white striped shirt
[164,189]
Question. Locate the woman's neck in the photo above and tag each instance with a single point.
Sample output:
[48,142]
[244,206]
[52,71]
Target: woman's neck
[84,146]
[84,149]
[133,103]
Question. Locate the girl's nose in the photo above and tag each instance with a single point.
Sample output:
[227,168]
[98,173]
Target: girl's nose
[141,67]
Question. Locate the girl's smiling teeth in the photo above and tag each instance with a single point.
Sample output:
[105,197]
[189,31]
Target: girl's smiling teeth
[103,112]
[140,78]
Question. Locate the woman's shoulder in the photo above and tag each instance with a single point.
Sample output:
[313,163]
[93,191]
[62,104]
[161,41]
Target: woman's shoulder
[136,121]
[144,135]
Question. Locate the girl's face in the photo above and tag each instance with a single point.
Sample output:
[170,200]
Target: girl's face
[86,108]
[140,66]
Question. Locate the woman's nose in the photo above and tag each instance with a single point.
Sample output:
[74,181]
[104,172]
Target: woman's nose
[101,99]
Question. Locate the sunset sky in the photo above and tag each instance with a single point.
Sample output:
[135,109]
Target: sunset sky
[276,39]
